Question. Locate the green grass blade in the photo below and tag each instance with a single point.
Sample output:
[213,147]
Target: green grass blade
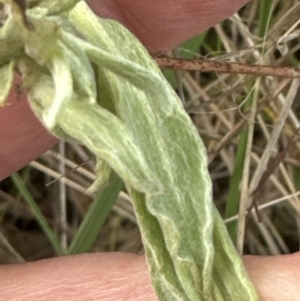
[265,11]
[96,216]
[233,199]
[19,184]
[232,205]
[296,176]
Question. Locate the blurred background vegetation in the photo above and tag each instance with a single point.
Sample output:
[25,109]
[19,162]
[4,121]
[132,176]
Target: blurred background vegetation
[45,210]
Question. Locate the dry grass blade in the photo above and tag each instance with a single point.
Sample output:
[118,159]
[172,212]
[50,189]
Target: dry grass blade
[275,134]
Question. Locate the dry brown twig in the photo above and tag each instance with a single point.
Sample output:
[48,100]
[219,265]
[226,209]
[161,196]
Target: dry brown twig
[226,67]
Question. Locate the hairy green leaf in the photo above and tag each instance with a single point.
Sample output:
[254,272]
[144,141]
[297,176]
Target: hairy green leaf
[119,105]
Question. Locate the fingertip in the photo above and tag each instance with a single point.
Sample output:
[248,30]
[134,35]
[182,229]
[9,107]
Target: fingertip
[23,138]
[276,278]
[162,25]
[97,276]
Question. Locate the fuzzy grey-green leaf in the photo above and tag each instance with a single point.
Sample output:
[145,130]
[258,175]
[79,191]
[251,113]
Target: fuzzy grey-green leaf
[142,132]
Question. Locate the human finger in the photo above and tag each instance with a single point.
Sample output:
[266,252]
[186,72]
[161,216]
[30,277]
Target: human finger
[125,277]
[162,25]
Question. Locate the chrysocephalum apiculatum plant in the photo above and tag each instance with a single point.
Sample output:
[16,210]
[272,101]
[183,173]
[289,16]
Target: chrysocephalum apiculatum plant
[90,80]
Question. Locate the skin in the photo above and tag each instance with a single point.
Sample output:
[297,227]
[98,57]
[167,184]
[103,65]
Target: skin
[160,25]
